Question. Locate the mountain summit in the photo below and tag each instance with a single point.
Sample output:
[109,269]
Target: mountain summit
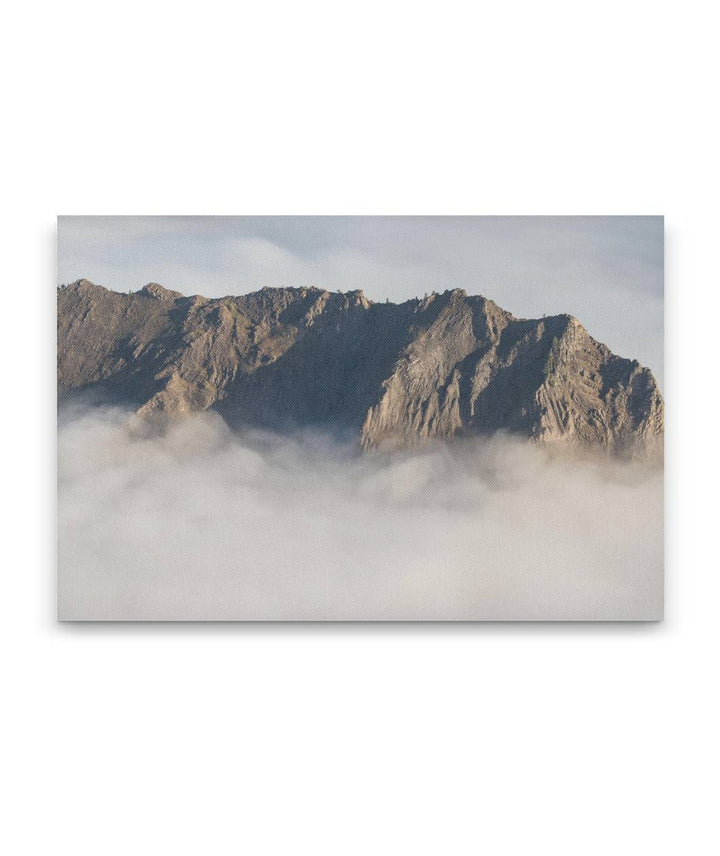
[397,374]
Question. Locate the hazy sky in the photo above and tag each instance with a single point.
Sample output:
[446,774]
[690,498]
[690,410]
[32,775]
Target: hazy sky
[607,271]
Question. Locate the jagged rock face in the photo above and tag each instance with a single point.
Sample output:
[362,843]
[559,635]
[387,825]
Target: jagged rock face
[395,374]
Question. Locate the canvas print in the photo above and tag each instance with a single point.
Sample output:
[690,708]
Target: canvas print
[360,418]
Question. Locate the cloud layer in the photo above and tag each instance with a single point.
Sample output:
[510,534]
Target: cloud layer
[200,523]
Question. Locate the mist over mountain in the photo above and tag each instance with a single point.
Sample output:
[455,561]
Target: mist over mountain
[256,504]
[197,521]
[389,375]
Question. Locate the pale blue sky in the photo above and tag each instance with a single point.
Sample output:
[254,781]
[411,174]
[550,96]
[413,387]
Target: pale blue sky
[607,271]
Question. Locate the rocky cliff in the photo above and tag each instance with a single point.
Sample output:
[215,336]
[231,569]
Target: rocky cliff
[394,374]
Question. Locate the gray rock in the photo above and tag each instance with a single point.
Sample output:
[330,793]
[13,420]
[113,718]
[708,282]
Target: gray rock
[393,375]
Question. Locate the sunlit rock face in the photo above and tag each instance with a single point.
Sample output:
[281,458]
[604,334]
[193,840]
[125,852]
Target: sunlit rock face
[390,375]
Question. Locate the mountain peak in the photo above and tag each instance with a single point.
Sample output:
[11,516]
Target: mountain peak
[157,292]
[397,374]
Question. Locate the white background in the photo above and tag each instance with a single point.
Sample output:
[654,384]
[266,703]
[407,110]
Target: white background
[353,739]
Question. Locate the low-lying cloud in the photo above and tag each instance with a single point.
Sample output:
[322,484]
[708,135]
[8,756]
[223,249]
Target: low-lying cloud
[202,523]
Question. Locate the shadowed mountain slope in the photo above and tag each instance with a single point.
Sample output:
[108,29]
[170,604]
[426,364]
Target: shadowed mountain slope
[393,374]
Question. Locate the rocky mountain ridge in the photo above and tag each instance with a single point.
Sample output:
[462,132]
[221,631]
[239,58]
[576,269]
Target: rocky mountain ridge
[448,365]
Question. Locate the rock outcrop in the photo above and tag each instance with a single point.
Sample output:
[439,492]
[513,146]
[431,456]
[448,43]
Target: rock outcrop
[394,374]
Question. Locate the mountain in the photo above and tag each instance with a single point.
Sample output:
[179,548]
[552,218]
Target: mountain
[394,374]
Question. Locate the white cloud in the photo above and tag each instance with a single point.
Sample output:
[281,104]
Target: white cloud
[203,523]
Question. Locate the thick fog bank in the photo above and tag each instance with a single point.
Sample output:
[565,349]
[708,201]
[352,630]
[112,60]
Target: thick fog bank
[200,523]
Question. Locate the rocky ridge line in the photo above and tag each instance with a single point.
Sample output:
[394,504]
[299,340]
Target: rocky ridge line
[448,365]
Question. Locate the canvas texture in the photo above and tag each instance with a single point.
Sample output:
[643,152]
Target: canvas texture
[360,418]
